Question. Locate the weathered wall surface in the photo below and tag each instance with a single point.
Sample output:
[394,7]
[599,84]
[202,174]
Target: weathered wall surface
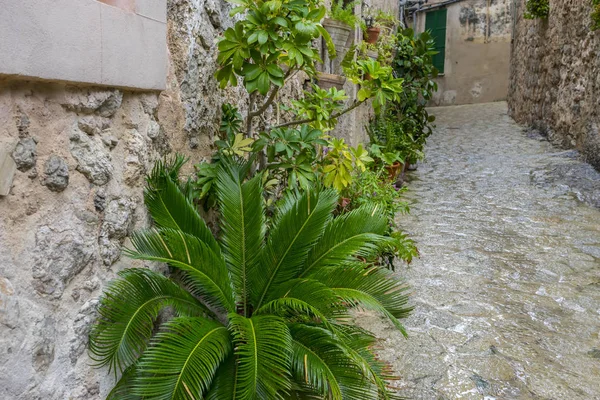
[555,76]
[478,38]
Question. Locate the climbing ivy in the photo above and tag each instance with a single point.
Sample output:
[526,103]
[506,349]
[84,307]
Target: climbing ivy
[537,9]
[595,15]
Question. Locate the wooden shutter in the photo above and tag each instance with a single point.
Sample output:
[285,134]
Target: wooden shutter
[435,22]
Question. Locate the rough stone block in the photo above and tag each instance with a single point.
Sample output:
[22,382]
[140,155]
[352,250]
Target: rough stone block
[8,167]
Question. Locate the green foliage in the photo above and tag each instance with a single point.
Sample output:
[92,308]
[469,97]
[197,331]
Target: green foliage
[371,187]
[595,15]
[292,154]
[345,13]
[340,161]
[376,81]
[319,105]
[260,312]
[272,35]
[537,9]
[386,19]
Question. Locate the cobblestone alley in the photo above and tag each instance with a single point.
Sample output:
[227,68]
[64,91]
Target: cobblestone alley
[507,289]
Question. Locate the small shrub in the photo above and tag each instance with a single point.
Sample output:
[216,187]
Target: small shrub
[596,15]
[537,9]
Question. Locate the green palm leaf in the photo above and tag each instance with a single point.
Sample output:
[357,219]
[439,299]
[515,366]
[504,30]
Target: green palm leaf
[263,346]
[171,208]
[122,389]
[242,227]
[128,309]
[289,242]
[304,297]
[357,233]
[372,288]
[319,360]
[182,360]
[205,271]
[223,384]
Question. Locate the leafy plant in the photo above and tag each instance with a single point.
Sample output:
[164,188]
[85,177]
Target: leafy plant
[340,161]
[345,13]
[371,187]
[256,313]
[537,9]
[595,15]
[319,107]
[383,18]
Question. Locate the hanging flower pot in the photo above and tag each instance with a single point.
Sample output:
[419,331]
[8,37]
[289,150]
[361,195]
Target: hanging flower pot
[338,31]
[327,81]
[373,34]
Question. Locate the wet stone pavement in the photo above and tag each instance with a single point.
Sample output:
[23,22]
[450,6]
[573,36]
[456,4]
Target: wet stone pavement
[507,288]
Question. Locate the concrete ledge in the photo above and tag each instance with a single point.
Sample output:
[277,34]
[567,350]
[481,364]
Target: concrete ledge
[84,41]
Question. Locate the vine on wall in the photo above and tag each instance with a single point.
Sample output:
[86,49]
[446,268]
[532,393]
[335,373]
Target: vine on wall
[595,15]
[537,9]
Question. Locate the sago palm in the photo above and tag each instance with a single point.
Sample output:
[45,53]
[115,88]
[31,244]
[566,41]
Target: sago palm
[259,312]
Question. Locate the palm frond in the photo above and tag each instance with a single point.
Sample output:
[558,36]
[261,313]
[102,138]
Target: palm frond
[320,362]
[223,384]
[290,241]
[372,288]
[206,271]
[182,360]
[242,227]
[263,346]
[304,297]
[122,389]
[357,233]
[171,208]
[128,309]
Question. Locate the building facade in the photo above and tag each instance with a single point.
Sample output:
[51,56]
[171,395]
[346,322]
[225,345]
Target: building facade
[473,40]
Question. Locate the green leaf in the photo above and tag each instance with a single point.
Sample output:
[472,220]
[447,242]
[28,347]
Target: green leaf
[263,347]
[242,226]
[128,309]
[205,272]
[182,360]
[290,240]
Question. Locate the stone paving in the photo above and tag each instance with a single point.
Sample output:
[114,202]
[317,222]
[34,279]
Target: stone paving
[507,288]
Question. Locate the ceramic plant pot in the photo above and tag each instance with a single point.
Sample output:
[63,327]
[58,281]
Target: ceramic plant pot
[373,34]
[394,170]
[327,81]
[338,31]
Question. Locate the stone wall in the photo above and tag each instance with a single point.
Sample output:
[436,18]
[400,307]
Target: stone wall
[555,76]
[478,34]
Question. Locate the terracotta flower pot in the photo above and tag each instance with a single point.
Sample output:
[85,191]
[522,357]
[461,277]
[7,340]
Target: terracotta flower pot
[327,81]
[373,34]
[394,170]
[338,31]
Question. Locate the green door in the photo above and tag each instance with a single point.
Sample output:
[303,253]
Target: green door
[435,21]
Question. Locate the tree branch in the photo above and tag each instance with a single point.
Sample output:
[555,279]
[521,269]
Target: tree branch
[355,104]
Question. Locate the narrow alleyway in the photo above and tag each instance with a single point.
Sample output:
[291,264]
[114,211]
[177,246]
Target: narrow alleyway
[507,290]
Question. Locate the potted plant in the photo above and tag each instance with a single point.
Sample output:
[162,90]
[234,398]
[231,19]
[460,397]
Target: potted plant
[341,22]
[372,32]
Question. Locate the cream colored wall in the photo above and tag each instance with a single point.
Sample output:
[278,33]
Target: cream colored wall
[477,57]
[85,41]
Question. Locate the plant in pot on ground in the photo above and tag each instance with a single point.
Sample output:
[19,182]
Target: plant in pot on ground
[260,311]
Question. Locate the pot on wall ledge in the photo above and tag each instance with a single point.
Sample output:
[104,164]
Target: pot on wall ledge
[372,54]
[394,170]
[327,81]
[338,31]
[373,34]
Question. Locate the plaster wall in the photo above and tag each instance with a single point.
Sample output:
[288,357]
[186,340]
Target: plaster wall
[478,36]
[85,41]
